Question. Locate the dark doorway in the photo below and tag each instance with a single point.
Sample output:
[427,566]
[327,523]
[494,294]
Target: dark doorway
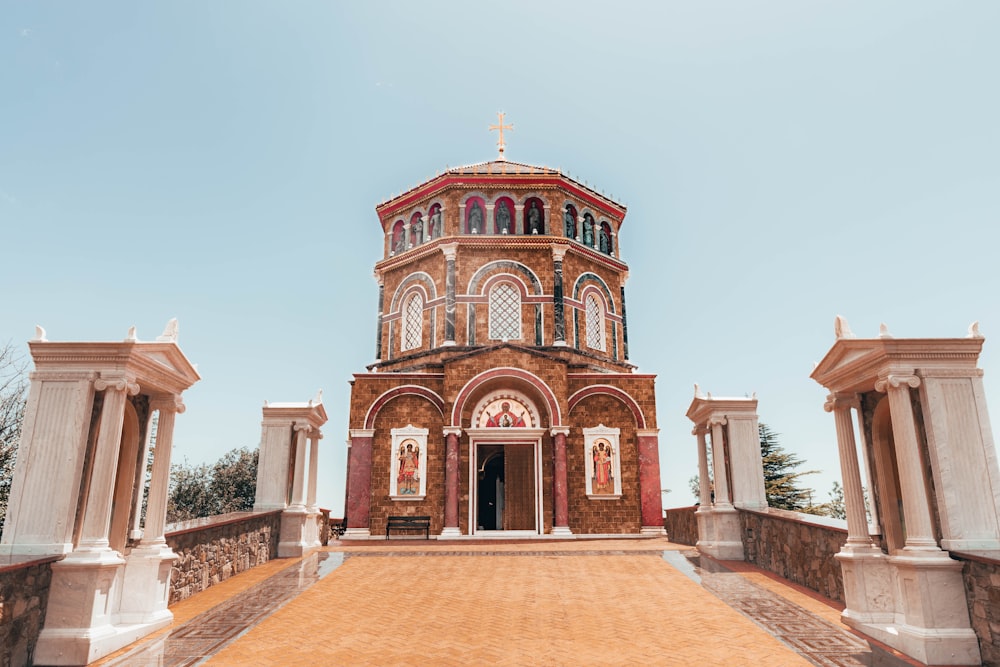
[490,498]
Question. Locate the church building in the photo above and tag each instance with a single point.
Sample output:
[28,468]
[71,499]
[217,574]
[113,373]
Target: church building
[501,402]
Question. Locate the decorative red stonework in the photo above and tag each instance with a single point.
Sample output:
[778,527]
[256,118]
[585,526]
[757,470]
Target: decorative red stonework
[359,484]
[649,480]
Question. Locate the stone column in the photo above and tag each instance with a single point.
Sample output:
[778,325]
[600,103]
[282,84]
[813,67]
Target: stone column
[547,219]
[624,321]
[314,439]
[558,303]
[449,250]
[704,483]
[854,496]
[489,222]
[919,526]
[359,485]
[560,501]
[702,515]
[159,483]
[650,498]
[100,494]
[299,476]
[379,325]
[722,497]
[451,480]
[519,222]
[579,229]
[614,245]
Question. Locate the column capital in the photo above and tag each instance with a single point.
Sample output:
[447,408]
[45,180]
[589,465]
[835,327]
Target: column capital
[558,252]
[303,427]
[559,430]
[700,429]
[717,421]
[117,383]
[894,381]
[519,207]
[840,401]
[453,430]
[647,432]
[170,403]
[362,433]
[449,250]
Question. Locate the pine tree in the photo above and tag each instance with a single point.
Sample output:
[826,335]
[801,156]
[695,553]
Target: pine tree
[781,480]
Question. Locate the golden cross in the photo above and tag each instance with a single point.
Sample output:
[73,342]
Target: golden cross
[501,127]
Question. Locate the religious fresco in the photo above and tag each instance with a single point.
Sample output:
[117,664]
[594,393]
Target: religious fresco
[603,469]
[407,479]
[505,412]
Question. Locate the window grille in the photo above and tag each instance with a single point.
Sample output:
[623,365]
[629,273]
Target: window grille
[595,323]
[413,318]
[505,312]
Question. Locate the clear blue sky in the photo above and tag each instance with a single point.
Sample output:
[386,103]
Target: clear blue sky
[782,162]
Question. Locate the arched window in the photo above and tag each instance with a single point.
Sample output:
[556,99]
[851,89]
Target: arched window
[595,323]
[434,222]
[413,322]
[505,312]
[605,238]
[398,238]
[416,229]
[534,216]
[569,222]
[588,230]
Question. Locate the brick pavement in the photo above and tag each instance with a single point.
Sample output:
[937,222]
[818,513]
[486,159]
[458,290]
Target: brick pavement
[565,603]
[582,602]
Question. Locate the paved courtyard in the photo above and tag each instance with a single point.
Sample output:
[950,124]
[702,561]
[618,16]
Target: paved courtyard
[586,602]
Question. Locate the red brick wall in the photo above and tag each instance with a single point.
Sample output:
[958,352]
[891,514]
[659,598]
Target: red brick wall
[397,413]
[603,516]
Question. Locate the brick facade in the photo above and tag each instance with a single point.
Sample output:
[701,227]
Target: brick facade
[546,368]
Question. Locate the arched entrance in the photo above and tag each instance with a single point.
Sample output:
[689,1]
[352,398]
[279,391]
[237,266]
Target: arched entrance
[505,446]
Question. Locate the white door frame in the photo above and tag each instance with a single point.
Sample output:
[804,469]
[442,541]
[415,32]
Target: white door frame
[505,436]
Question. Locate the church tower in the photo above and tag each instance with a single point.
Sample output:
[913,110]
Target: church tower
[501,401]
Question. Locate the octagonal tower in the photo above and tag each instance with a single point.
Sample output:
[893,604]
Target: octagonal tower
[501,401]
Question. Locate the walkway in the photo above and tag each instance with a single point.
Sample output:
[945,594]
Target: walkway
[586,602]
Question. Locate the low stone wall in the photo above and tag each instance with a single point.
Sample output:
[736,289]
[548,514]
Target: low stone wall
[982,593]
[215,548]
[24,595]
[797,547]
[681,525]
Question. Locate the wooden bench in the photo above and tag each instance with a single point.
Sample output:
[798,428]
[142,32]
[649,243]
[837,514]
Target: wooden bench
[419,522]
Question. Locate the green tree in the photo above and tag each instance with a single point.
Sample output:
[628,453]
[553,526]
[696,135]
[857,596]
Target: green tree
[228,485]
[781,479]
[13,398]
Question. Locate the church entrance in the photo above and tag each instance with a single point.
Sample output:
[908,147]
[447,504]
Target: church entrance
[506,493]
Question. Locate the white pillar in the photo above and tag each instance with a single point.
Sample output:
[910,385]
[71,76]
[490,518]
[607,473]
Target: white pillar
[101,485]
[159,483]
[299,476]
[854,496]
[704,483]
[722,498]
[314,439]
[919,527]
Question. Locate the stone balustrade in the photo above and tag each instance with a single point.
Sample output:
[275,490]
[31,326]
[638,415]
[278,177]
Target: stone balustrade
[982,593]
[681,525]
[799,547]
[212,549]
[24,594]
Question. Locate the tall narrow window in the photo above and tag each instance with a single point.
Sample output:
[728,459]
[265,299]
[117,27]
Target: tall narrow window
[413,322]
[595,323]
[505,312]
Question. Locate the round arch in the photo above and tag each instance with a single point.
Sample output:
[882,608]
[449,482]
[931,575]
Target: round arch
[396,392]
[614,392]
[536,383]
